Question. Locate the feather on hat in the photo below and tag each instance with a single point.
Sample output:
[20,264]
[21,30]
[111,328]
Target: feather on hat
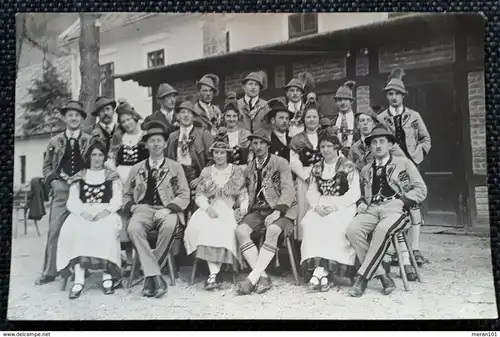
[346,90]
[396,81]
[210,80]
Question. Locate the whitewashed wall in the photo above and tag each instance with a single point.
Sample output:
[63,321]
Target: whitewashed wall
[33,149]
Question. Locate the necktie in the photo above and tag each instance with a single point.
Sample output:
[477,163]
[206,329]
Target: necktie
[72,141]
[344,128]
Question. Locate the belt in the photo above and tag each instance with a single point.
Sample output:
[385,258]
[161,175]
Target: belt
[377,200]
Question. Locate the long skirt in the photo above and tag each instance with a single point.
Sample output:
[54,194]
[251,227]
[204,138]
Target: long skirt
[214,240]
[324,238]
[95,245]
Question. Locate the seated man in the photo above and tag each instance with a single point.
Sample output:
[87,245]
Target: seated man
[390,186]
[271,204]
[155,191]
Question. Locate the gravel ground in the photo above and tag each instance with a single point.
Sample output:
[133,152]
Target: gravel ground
[458,284]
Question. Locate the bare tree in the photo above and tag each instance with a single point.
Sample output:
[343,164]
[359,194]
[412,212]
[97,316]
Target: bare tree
[89,62]
[20,34]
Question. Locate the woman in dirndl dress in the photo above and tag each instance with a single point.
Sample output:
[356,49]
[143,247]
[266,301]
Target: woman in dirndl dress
[238,136]
[222,200]
[334,189]
[125,154]
[89,237]
[304,153]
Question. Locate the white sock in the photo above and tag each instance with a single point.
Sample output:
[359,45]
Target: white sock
[79,277]
[414,237]
[107,280]
[214,267]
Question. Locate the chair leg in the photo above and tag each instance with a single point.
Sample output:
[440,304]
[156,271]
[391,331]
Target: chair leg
[193,272]
[235,270]
[37,229]
[412,257]
[25,223]
[64,283]
[171,269]
[400,261]
[292,261]
[133,269]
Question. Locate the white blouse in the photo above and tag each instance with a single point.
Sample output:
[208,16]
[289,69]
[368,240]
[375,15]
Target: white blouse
[233,138]
[131,139]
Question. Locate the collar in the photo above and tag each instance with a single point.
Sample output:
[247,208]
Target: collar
[264,162]
[166,112]
[72,134]
[206,106]
[294,106]
[348,113]
[184,129]
[383,162]
[396,111]
[280,134]
[150,162]
[253,100]
[110,126]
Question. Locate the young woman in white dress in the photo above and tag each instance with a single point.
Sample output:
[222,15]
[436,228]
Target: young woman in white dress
[334,189]
[125,153]
[89,237]
[222,200]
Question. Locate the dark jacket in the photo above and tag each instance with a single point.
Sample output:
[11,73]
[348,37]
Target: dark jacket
[39,193]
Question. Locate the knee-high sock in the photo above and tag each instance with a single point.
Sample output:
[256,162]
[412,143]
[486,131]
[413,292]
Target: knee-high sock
[266,255]
[414,237]
[405,256]
[320,272]
[107,280]
[214,267]
[79,274]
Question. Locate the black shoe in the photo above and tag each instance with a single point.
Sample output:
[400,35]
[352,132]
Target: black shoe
[420,258]
[263,285]
[75,294]
[160,285]
[149,288]
[387,283]
[410,273]
[386,266]
[44,279]
[108,290]
[359,287]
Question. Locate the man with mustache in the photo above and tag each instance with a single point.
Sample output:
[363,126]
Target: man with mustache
[253,109]
[415,141]
[107,131]
[391,185]
[271,205]
[166,97]
[279,118]
[295,91]
[207,114]
[64,158]
[155,193]
[344,122]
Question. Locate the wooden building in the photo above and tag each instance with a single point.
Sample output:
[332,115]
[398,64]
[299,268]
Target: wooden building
[443,56]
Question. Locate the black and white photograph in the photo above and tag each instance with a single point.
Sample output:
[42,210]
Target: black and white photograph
[311,165]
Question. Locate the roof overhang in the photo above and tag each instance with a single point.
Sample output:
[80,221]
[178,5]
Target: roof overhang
[394,30]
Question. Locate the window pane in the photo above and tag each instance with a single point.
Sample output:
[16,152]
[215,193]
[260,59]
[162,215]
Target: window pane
[294,24]
[310,22]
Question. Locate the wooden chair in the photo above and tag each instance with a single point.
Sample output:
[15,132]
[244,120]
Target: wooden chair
[20,204]
[195,264]
[413,261]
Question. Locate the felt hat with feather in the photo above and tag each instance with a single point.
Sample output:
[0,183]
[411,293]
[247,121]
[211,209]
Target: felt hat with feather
[188,103]
[346,91]
[231,103]
[380,131]
[100,102]
[73,105]
[165,89]
[277,105]
[154,127]
[396,81]
[261,134]
[257,76]
[373,112]
[304,81]
[221,141]
[210,80]
[124,108]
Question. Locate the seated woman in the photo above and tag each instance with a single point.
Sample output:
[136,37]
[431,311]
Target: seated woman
[304,153]
[89,237]
[238,136]
[333,192]
[125,154]
[211,229]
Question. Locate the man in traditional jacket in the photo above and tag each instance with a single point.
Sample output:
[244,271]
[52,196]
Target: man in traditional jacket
[271,205]
[295,91]
[253,109]
[344,122]
[64,158]
[390,186]
[413,138]
[107,131]
[279,118]
[208,115]
[190,145]
[166,97]
[154,194]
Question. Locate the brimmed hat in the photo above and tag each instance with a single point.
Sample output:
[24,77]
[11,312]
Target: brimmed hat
[165,89]
[329,136]
[304,81]
[124,108]
[380,131]
[346,90]
[230,104]
[101,102]
[74,105]
[154,127]
[221,141]
[210,80]
[277,105]
[373,112]
[257,76]
[188,105]
[396,81]
[261,134]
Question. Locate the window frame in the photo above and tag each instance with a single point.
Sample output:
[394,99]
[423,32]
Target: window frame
[303,31]
[107,79]
[149,66]
[22,160]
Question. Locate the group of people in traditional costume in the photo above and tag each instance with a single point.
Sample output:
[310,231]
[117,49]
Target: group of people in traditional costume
[213,177]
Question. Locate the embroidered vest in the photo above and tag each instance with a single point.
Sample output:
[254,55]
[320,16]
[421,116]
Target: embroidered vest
[100,193]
